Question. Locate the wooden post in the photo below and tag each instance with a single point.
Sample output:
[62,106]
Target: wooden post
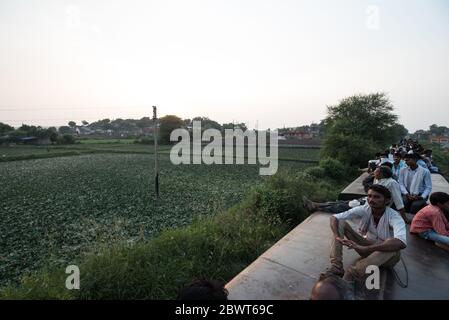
[156,165]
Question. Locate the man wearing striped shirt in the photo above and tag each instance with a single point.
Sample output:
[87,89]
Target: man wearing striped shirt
[430,222]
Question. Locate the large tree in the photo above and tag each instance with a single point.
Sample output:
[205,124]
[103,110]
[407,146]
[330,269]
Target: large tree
[359,126]
[104,124]
[207,123]
[438,130]
[167,125]
[64,130]
[4,128]
[145,122]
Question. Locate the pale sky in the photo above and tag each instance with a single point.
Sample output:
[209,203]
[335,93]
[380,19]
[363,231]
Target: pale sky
[278,62]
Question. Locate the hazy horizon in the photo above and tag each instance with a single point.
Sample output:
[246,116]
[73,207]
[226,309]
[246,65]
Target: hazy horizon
[275,63]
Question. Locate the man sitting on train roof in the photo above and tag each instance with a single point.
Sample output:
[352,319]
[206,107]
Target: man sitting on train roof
[427,158]
[420,161]
[382,176]
[373,164]
[398,164]
[386,156]
[430,222]
[380,238]
[416,184]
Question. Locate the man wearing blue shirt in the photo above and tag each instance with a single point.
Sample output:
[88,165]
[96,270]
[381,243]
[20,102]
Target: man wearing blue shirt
[398,165]
[416,184]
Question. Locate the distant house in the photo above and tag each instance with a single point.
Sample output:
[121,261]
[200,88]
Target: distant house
[439,139]
[299,135]
[34,141]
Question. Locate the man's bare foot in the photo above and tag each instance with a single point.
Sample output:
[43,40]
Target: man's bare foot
[309,205]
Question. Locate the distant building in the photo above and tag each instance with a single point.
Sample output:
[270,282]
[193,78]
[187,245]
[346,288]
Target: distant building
[299,135]
[439,139]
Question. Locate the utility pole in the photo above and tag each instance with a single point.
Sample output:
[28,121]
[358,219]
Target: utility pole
[156,165]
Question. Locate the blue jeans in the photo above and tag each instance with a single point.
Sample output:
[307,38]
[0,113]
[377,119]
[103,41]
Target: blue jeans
[433,236]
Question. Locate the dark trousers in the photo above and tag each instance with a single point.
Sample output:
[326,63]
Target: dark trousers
[414,206]
[337,206]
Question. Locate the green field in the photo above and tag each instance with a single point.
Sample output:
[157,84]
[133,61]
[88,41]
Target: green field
[21,152]
[56,209]
[106,141]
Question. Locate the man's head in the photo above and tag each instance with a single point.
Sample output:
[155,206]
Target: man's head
[378,196]
[441,200]
[427,153]
[385,154]
[411,159]
[383,172]
[397,157]
[330,287]
[388,164]
[203,289]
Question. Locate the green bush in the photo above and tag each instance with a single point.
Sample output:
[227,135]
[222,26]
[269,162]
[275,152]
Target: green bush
[316,172]
[280,198]
[47,284]
[333,169]
[351,150]
[66,139]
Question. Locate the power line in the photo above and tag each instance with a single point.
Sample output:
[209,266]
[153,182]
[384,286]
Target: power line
[62,119]
[69,108]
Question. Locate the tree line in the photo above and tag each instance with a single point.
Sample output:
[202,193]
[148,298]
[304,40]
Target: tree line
[353,130]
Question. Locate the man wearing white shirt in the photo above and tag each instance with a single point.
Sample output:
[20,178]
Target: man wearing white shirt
[380,237]
[416,184]
[383,176]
